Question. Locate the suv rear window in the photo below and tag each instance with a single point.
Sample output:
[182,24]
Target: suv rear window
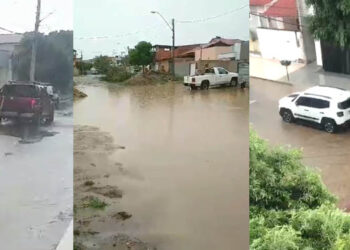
[312,102]
[21,91]
[344,105]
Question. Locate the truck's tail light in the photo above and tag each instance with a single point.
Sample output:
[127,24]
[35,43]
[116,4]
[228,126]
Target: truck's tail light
[33,103]
[340,114]
[193,79]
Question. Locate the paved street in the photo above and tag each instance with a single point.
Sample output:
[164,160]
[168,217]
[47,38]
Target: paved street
[326,152]
[36,184]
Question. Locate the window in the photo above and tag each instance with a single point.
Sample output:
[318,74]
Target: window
[222,71]
[21,91]
[209,71]
[320,104]
[344,105]
[304,101]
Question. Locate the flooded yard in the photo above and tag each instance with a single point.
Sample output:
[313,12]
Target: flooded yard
[161,166]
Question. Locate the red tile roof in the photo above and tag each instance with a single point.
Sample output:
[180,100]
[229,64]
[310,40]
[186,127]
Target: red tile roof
[180,51]
[218,41]
[259,2]
[283,8]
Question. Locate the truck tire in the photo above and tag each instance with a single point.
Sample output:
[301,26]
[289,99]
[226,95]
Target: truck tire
[205,85]
[51,118]
[234,81]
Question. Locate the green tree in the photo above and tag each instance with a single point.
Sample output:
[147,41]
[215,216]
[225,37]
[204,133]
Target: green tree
[331,21]
[54,61]
[102,64]
[141,55]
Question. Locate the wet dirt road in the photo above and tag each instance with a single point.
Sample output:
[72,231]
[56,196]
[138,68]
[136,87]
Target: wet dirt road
[36,188]
[184,162]
[326,152]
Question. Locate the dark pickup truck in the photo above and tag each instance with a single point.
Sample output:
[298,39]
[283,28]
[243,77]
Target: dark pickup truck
[26,102]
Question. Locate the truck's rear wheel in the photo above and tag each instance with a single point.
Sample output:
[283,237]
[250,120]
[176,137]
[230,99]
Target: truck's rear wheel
[205,85]
[234,82]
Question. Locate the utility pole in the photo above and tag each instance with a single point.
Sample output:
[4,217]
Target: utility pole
[173,48]
[81,63]
[34,46]
[172,28]
[307,39]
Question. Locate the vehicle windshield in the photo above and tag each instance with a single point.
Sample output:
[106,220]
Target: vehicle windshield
[21,91]
[294,96]
[344,105]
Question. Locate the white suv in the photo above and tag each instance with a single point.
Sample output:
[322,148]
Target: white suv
[327,106]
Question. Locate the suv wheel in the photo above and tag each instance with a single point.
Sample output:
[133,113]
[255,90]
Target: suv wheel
[329,126]
[287,116]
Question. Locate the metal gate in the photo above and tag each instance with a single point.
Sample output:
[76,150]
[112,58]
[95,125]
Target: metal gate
[335,59]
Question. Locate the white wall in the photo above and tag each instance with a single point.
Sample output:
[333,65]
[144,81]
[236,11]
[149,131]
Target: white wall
[281,44]
[319,59]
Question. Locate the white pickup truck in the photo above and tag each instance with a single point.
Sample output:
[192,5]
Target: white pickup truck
[212,77]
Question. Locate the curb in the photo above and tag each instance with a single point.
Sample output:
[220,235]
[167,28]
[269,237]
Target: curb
[276,81]
[66,243]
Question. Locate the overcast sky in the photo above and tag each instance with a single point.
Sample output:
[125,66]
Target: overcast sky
[124,23]
[19,15]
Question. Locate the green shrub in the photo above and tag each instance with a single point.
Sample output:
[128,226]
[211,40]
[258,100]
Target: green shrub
[290,207]
[117,74]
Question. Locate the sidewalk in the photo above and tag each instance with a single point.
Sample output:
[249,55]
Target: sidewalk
[66,242]
[299,74]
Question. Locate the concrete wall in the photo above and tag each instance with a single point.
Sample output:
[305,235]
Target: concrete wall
[308,40]
[163,66]
[212,53]
[281,44]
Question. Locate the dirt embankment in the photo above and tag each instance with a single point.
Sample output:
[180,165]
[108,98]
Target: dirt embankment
[98,219]
[77,94]
[148,78]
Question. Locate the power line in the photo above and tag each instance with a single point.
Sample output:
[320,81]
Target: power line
[117,36]
[212,17]
[7,30]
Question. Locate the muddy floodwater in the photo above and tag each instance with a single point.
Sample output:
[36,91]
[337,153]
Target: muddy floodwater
[175,160]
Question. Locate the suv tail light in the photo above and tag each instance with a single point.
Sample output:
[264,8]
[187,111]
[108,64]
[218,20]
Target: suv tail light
[340,114]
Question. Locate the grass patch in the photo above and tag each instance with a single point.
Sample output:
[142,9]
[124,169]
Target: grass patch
[94,202]
[89,183]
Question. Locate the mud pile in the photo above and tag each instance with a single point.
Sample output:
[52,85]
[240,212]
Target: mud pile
[77,94]
[150,77]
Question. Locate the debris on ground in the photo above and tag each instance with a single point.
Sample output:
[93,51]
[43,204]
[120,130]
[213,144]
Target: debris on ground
[78,94]
[149,78]
[122,216]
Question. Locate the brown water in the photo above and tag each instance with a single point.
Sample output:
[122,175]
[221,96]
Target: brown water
[188,153]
